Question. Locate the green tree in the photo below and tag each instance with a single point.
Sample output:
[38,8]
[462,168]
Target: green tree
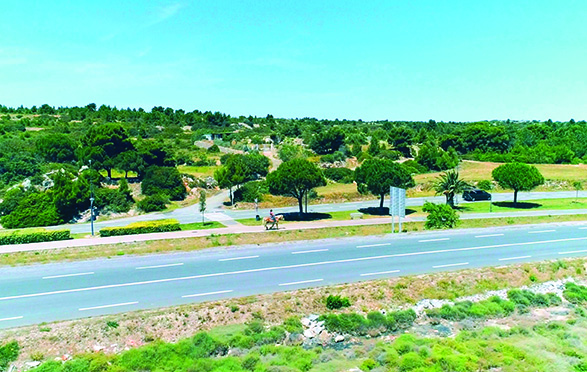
[518,177]
[440,216]
[34,210]
[295,178]
[164,180]
[327,141]
[202,204]
[56,147]
[103,143]
[449,184]
[378,175]
[289,151]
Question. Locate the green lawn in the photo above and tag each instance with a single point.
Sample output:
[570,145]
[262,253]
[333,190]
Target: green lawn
[200,226]
[197,171]
[530,205]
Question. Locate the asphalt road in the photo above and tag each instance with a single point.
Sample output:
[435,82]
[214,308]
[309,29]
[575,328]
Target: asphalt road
[190,214]
[44,293]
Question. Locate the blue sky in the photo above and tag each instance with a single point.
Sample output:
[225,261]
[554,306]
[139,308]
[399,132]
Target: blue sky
[398,60]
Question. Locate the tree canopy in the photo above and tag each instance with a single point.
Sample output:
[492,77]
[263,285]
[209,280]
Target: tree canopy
[378,175]
[295,178]
[518,177]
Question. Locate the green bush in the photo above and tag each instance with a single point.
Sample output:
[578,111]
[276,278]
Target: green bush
[337,302]
[251,191]
[214,149]
[145,227]
[112,200]
[8,353]
[493,307]
[527,298]
[293,325]
[575,294]
[34,237]
[163,180]
[153,203]
[356,324]
[340,175]
[37,209]
[440,216]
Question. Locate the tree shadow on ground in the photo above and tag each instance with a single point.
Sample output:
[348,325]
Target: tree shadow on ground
[376,211]
[297,216]
[519,205]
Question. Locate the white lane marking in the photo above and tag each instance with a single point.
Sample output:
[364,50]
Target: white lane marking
[108,306]
[302,282]
[432,240]
[273,268]
[237,258]
[206,294]
[373,245]
[381,273]
[582,228]
[67,275]
[540,232]
[571,252]
[312,251]
[159,266]
[450,265]
[488,236]
[13,318]
[514,258]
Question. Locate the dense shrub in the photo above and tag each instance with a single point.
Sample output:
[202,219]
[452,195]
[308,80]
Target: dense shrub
[491,308]
[341,175]
[112,200]
[414,167]
[337,302]
[8,353]
[358,325]
[527,298]
[153,203]
[164,180]
[34,237]
[34,210]
[251,191]
[575,294]
[214,149]
[142,228]
[440,216]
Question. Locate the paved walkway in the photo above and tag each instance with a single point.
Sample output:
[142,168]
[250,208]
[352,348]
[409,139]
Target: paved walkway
[242,229]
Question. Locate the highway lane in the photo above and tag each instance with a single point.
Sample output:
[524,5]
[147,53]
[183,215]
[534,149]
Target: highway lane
[43,293]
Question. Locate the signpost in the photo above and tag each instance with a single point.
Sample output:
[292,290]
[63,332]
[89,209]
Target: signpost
[397,206]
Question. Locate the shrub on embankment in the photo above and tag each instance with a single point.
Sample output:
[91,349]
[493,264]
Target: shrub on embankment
[34,237]
[145,227]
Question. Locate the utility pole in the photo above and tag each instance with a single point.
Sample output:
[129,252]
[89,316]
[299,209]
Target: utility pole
[91,199]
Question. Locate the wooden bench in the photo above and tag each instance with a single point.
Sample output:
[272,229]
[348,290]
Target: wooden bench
[355,216]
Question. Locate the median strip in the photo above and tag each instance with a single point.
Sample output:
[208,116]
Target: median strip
[450,265]
[302,282]
[108,306]
[207,294]
[68,275]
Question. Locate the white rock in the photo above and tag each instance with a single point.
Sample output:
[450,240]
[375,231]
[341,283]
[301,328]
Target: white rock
[339,338]
[310,333]
[32,364]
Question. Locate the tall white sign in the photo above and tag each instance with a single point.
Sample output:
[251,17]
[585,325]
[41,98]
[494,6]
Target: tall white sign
[397,206]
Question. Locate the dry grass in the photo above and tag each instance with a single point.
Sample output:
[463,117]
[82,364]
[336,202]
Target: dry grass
[476,171]
[174,323]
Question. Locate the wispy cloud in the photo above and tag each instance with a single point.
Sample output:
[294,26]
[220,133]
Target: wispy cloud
[166,12]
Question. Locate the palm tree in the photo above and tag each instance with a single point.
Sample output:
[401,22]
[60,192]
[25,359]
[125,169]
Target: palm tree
[449,184]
